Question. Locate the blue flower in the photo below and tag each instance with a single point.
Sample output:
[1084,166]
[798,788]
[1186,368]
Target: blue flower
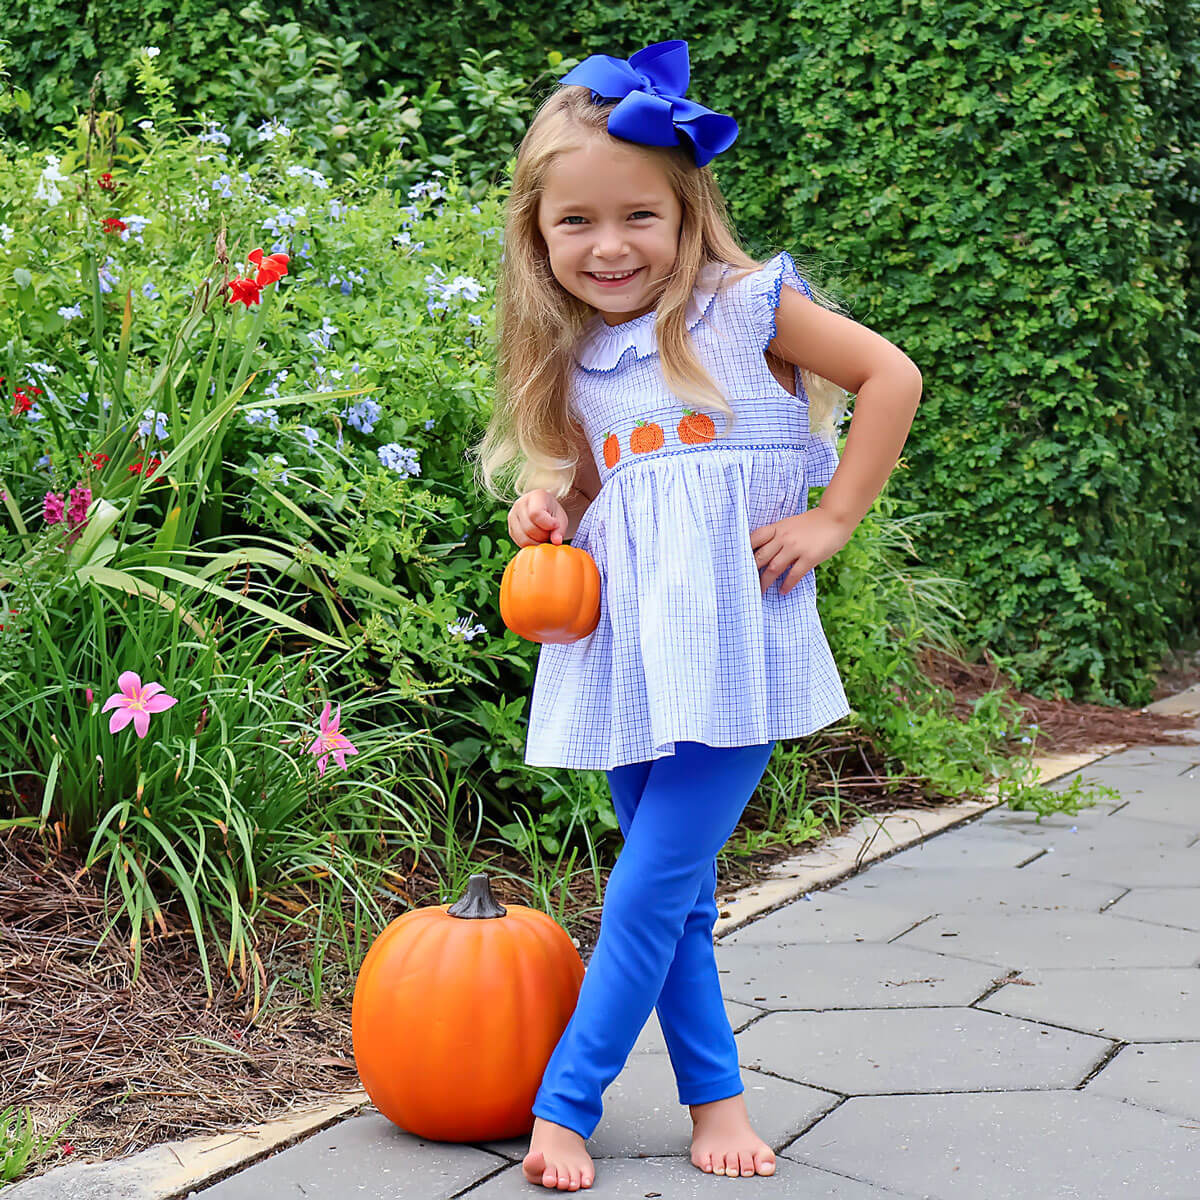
[363,416]
[153,420]
[256,416]
[399,459]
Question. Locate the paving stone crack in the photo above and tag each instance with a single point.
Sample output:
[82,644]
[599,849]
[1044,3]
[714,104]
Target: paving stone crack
[1109,1055]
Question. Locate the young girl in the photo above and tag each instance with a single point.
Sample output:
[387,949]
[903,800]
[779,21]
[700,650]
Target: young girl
[667,403]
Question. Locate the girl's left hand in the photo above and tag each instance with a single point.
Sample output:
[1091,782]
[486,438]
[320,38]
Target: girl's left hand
[798,543]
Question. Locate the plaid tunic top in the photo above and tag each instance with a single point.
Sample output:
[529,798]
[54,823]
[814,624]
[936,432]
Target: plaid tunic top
[688,648]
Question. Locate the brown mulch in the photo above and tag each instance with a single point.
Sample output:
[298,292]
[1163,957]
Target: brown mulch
[1065,726]
[138,1063]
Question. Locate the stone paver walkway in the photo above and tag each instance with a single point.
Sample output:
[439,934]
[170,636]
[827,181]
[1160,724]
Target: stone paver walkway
[1010,1009]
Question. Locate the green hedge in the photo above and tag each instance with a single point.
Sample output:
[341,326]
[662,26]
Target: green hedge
[1010,190]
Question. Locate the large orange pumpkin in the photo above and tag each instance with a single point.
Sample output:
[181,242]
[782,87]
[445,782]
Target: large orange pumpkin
[457,1009]
[551,593]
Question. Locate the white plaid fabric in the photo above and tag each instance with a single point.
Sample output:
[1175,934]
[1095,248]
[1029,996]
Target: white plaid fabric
[688,648]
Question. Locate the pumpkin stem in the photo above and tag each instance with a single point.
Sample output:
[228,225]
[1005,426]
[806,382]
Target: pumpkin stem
[477,902]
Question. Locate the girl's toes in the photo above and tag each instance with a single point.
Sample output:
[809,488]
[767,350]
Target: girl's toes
[718,1163]
[765,1164]
[747,1161]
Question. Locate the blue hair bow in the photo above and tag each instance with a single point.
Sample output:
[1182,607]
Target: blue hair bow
[653,110]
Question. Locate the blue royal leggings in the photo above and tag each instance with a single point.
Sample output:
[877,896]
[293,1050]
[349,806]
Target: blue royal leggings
[655,947]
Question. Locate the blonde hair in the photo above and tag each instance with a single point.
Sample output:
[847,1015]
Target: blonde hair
[529,435]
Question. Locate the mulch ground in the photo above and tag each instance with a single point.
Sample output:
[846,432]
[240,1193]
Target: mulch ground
[138,1063]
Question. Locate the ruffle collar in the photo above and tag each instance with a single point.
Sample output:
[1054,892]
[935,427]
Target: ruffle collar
[601,346]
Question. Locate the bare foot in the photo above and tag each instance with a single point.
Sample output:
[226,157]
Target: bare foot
[557,1158]
[723,1143]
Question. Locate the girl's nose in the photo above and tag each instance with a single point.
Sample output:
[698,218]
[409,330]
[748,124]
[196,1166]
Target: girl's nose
[610,244]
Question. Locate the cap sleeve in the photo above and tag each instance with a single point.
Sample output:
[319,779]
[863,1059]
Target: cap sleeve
[764,288]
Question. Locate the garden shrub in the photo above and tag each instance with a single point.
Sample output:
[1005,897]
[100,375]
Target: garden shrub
[266,507]
[1010,190]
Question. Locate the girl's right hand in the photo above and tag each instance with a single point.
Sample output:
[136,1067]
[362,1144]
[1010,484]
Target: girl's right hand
[537,517]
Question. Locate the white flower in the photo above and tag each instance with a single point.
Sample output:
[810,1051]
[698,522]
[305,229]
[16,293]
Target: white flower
[69,314]
[315,177]
[268,131]
[150,51]
[462,628]
[146,125]
[51,175]
[7,232]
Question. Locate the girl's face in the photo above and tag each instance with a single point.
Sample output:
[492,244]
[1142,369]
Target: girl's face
[608,211]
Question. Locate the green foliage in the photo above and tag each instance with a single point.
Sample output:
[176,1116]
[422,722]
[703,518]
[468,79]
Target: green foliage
[20,1144]
[310,531]
[1011,190]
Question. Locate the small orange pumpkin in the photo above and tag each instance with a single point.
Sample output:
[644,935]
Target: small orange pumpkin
[551,593]
[457,1009]
[696,428]
[612,450]
[646,437]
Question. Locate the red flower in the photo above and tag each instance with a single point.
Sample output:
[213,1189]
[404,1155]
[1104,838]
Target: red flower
[270,269]
[245,290]
[113,225]
[106,181]
[23,399]
[98,458]
[151,466]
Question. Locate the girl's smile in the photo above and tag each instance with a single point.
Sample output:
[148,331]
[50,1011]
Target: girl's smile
[614,279]
[610,220]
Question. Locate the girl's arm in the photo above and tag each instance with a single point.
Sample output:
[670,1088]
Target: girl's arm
[886,385]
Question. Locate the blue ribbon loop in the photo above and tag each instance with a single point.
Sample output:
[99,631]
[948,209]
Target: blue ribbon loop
[653,109]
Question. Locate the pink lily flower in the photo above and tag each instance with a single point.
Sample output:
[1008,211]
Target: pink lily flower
[135,703]
[330,740]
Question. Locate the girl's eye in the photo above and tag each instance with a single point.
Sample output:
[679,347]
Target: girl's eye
[568,219]
[639,216]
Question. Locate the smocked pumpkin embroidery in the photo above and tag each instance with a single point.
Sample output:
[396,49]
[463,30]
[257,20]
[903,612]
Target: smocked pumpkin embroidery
[612,450]
[696,428]
[646,437]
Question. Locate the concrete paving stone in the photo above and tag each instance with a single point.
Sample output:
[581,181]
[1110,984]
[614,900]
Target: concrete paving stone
[826,917]
[871,1052]
[951,850]
[1177,907]
[1138,1004]
[961,889]
[642,1114]
[1163,1077]
[677,1179]
[1020,821]
[1115,831]
[1152,795]
[1133,866]
[1065,939]
[1064,1145]
[848,975]
[366,1156]
[651,1040]
[1172,759]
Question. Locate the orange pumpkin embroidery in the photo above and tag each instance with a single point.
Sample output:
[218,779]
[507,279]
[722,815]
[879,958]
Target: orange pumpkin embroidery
[612,450]
[646,437]
[696,428]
